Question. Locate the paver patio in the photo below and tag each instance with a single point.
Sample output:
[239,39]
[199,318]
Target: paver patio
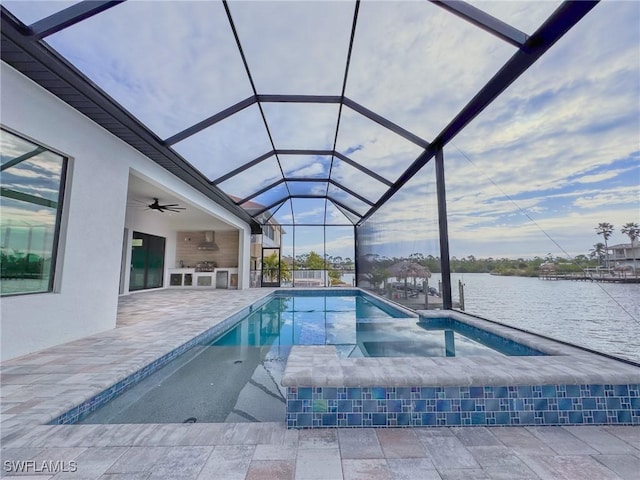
[37,388]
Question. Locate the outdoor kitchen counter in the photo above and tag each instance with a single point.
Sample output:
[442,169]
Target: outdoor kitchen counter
[194,277]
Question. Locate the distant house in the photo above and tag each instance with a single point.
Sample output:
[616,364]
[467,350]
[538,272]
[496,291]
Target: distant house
[625,255]
[271,238]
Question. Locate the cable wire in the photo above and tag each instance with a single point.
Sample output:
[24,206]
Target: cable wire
[526,214]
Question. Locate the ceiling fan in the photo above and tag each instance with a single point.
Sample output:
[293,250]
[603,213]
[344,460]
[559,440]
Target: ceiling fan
[170,207]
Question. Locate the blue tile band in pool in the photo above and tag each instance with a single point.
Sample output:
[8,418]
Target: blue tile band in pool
[78,412]
[322,407]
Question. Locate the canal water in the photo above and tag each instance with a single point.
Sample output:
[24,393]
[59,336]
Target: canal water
[600,316]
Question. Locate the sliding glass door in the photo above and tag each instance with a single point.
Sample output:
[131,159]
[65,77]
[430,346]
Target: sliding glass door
[147,261]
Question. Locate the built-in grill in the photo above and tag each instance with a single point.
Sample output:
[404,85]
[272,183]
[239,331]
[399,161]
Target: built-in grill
[205,266]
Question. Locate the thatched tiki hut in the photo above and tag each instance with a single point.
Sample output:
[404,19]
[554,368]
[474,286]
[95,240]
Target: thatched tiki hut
[406,269]
[547,269]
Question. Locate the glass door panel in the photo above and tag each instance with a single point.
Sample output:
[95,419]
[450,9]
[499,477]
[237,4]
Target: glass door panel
[155,262]
[147,261]
[270,267]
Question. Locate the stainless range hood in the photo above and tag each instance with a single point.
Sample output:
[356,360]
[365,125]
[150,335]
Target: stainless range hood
[209,242]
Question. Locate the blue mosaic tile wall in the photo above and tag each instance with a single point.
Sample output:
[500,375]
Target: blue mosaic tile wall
[79,412]
[321,407]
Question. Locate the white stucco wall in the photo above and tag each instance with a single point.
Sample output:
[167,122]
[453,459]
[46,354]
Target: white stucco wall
[86,296]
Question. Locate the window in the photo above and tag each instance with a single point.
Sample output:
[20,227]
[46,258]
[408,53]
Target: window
[269,231]
[32,179]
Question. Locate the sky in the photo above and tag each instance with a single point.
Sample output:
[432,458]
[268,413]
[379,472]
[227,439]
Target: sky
[28,227]
[557,153]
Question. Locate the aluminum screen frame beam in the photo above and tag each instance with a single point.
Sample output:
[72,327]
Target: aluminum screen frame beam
[355,106]
[342,157]
[269,207]
[25,197]
[311,180]
[24,157]
[342,225]
[327,197]
[351,192]
[389,125]
[213,119]
[445,264]
[69,16]
[244,167]
[285,98]
[261,191]
[313,99]
[265,156]
[484,21]
[43,65]
[567,15]
[340,204]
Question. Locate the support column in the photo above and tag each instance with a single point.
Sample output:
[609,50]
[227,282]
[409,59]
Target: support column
[355,253]
[445,265]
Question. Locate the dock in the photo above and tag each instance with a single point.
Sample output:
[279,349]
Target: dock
[417,302]
[581,277]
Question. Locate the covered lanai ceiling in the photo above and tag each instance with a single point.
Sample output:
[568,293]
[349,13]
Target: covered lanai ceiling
[318,111]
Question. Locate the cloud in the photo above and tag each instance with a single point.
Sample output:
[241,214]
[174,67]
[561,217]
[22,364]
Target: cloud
[316,166]
[31,12]
[620,196]
[253,179]
[407,54]
[558,146]
[599,177]
[21,216]
[156,58]
[302,126]
[295,47]
[353,149]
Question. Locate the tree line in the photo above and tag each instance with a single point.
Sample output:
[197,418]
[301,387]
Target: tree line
[376,267]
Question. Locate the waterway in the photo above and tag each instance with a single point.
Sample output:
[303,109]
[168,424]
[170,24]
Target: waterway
[600,316]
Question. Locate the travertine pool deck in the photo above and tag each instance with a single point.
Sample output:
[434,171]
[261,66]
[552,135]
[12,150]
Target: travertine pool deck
[37,388]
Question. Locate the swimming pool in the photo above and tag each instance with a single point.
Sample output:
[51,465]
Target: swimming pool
[359,327]
[234,376]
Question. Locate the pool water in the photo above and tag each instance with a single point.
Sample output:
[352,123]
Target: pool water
[236,376]
[359,328]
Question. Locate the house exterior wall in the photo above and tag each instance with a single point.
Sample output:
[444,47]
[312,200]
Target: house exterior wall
[187,249]
[90,255]
[625,255]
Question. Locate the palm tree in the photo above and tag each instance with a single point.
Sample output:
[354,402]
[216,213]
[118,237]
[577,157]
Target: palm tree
[597,252]
[632,230]
[605,229]
[272,265]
